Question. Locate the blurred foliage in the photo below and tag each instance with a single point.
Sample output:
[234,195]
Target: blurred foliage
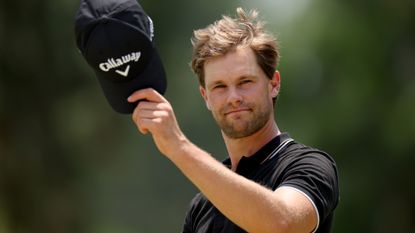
[68,163]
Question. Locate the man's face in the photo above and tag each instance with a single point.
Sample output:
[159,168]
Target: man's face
[238,93]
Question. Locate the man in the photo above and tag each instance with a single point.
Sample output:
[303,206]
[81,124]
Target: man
[269,183]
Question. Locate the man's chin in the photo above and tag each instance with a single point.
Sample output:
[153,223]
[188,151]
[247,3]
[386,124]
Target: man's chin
[235,133]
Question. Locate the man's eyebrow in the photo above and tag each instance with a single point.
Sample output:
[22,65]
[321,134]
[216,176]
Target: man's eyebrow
[247,77]
[214,83]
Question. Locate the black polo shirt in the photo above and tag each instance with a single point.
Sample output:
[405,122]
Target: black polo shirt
[281,162]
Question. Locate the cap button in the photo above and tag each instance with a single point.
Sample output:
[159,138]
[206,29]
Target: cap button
[104,19]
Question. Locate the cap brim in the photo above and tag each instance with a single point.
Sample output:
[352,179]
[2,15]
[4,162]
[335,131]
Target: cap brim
[117,92]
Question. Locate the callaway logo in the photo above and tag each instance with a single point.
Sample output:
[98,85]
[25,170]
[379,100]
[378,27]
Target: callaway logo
[117,62]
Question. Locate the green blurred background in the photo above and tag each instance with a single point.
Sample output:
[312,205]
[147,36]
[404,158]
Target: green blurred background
[70,164]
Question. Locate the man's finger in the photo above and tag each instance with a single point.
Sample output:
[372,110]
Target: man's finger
[148,94]
[150,114]
[139,123]
[142,129]
[146,105]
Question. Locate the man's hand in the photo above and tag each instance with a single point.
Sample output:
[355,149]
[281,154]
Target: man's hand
[154,114]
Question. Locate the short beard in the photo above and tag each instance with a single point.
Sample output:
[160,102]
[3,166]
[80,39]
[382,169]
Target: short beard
[259,119]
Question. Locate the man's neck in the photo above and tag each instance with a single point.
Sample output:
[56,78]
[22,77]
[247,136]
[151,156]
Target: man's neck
[247,146]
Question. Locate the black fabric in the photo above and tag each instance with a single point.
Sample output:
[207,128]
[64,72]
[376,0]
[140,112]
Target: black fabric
[307,169]
[116,39]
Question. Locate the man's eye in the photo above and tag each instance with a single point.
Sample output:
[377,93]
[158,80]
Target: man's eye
[218,86]
[246,81]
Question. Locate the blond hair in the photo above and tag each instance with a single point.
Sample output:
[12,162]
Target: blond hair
[226,34]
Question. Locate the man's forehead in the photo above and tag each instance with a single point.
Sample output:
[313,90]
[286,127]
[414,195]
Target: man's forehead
[241,62]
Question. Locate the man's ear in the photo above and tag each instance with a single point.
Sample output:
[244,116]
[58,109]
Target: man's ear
[275,84]
[204,95]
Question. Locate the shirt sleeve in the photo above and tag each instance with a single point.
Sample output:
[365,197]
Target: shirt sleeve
[188,220]
[315,174]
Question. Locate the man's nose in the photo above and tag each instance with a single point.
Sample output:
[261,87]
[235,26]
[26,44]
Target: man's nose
[234,96]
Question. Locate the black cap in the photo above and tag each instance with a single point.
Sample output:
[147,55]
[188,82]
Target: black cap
[116,39]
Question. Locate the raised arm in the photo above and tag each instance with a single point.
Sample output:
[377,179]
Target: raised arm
[246,203]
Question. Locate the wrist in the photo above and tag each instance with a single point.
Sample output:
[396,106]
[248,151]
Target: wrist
[174,148]
[183,149]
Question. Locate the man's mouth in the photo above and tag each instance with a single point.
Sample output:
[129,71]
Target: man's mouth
[239,110]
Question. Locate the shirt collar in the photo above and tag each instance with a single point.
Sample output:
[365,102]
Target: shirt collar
[249,163]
